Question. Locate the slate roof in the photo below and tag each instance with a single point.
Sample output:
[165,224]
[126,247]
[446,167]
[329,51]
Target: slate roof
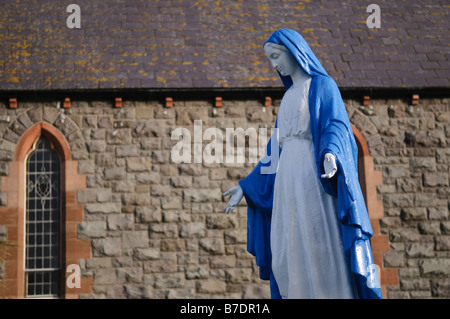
[218,44]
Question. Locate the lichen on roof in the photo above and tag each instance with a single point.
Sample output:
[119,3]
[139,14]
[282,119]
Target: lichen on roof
[216,44]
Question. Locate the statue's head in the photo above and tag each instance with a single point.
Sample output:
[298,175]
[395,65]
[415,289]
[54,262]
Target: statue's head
[281,59]
[291,47]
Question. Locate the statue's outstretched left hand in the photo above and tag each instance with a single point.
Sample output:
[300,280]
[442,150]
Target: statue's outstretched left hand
[329,166]
[236,196]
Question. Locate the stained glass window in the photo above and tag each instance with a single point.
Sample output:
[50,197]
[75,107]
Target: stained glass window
[43,222]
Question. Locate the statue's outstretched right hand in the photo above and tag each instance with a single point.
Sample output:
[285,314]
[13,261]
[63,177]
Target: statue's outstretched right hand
[236,196]
[329,166]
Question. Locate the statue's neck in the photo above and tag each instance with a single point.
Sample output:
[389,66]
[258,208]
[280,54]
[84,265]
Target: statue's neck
[299,77]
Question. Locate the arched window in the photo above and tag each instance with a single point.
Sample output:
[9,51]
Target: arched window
[43,222]
[41,218]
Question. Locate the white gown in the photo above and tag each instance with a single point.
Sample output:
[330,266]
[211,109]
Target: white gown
[307,255]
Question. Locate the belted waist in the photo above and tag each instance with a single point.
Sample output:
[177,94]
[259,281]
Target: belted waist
[302,136]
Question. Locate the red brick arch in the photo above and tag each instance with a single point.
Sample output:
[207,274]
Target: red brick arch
[12,216]
[369,179]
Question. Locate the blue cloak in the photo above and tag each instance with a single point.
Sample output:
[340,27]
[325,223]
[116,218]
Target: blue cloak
[332,133]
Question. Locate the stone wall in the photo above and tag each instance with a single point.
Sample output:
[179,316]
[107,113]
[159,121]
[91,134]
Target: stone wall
[412,149]
[158,229]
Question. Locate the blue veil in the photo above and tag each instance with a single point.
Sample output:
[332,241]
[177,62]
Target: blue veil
[332,133]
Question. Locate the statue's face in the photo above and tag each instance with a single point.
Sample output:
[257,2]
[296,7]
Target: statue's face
[281,59]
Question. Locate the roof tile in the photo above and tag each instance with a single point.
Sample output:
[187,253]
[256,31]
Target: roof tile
[213,44]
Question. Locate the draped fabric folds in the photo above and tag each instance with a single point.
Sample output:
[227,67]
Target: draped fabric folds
[332,133]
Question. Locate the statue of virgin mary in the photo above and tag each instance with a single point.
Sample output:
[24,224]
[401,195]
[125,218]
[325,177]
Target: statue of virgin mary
[308,225]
